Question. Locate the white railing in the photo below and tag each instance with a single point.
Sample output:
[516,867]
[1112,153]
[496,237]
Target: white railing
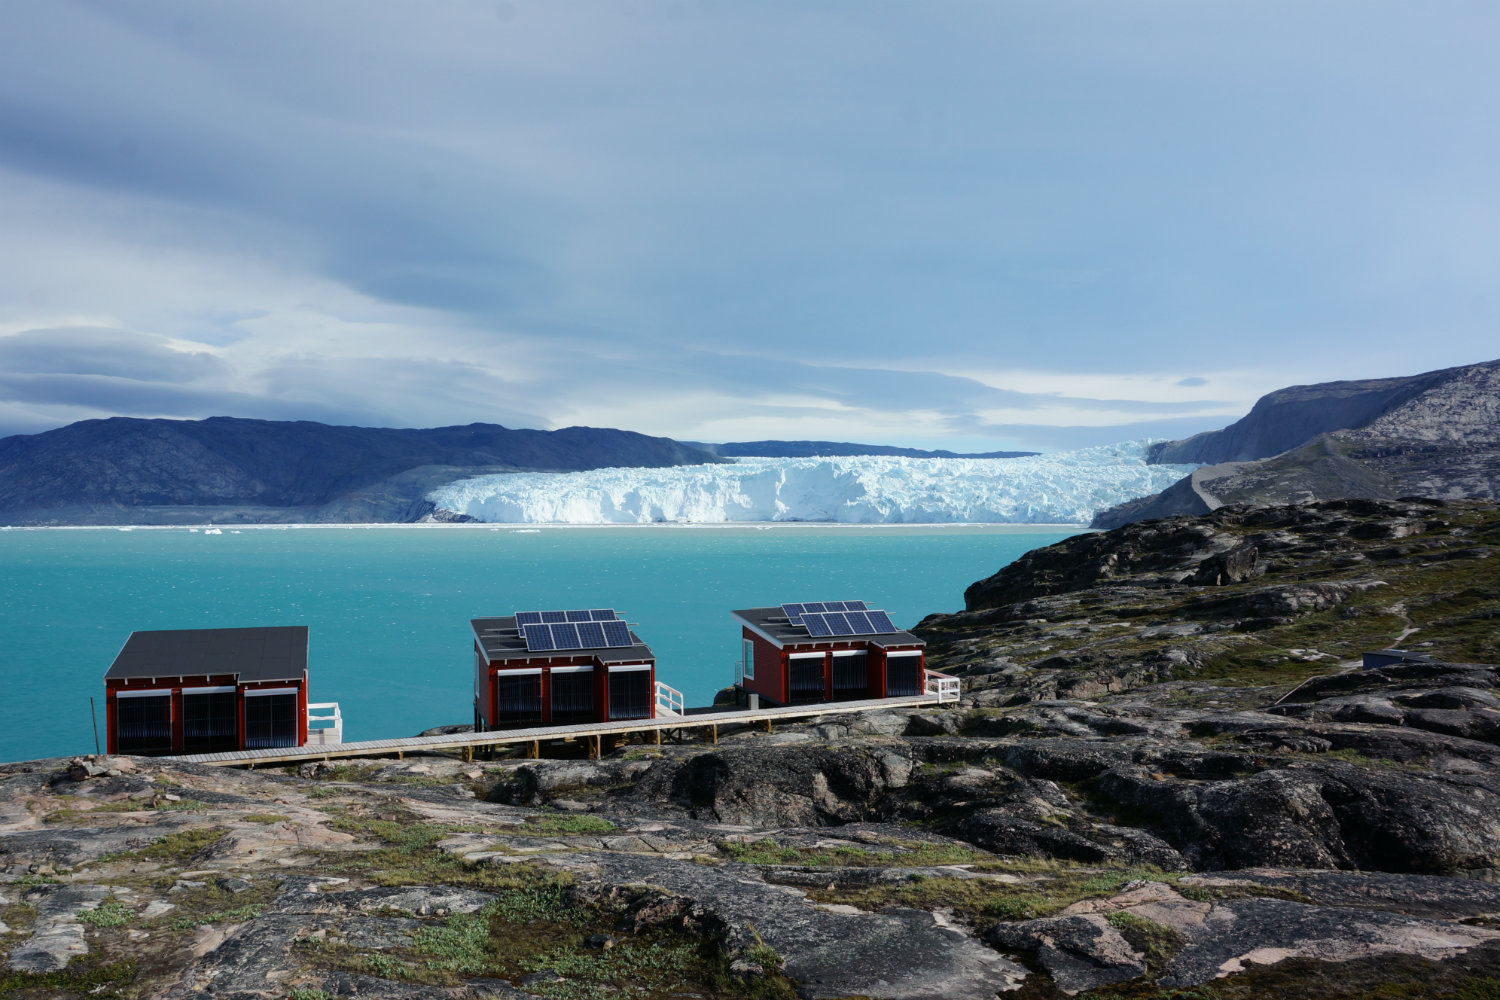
[668,700]
[333,732]
[945,687]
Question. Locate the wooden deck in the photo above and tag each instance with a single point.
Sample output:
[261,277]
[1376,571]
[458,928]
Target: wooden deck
[592,733]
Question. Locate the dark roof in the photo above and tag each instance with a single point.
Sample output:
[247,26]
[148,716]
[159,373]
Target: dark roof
[773,622]
[501,640]
[250,654]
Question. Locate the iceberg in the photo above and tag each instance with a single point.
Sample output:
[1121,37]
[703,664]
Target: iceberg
[1062,488]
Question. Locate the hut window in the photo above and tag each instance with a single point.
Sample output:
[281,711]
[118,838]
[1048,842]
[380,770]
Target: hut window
[805,678]
[145,724]
[572,695]
[851,678]
[748,656]
[518,697]
[209,723]
[630,693]
[270,720]
[903,675]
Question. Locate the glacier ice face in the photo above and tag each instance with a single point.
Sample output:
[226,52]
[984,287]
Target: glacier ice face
[1064,488]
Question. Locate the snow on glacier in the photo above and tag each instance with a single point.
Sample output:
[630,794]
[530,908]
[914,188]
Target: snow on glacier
[1063,488]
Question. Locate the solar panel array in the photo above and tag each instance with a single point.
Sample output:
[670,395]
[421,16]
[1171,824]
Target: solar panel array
[558,617]
[832,623]
[796,611]
[546,631]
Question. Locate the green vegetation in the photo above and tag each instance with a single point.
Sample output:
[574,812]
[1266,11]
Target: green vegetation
[267,818]
[109,913]
[100,982]
[179,846]
[1156,942]
[308,994]
[549,823]
[890,854]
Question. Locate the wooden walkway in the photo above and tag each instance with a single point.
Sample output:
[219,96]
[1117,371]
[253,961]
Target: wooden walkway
[592,733]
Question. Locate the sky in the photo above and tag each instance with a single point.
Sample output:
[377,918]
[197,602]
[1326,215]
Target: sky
[975,226]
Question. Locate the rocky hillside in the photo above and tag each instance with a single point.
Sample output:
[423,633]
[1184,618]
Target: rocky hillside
[226,469]
[1434,435]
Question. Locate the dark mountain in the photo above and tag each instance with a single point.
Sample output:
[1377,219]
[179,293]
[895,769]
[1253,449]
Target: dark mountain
[1431,435]
[1289,418]
[168,471]
[817,449]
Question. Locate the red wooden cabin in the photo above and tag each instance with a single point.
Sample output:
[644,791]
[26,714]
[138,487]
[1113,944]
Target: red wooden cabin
[207,690]
[560,668]
[826,651]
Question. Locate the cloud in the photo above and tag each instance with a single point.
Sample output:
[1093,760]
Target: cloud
[122,354]
[738,220]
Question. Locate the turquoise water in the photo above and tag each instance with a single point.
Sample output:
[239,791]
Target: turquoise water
[388,607]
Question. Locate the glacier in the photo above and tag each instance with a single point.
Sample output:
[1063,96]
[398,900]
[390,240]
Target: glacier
[1060,488]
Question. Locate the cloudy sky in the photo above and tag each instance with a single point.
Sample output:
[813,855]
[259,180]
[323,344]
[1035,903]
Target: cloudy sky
[968,225]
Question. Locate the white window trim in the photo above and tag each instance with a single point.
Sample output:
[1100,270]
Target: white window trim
[850,652]
[747,650]
[804,656]
[221,689]
[265,691]
[572,670]
[518,671]
[630,668]
[153,693]
[903,652]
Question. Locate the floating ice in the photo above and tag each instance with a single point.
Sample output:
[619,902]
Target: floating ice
[1064,488]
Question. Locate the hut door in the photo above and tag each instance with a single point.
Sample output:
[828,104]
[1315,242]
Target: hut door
[903,675]
[805,678]
[630,693]
[519,697]
[145,723]
[572,695]
[851,678]
[270,720]
[209,723]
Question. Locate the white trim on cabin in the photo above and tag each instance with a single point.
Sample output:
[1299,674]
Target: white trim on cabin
[221,689]
[808,656]
[261,691]
[153,693]
[629,667]
[572,670]
[517,671]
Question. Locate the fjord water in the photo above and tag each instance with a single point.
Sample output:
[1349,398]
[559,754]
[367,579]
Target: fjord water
[388,608]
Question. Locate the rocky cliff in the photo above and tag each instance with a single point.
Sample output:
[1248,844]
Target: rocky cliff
[1432,435]
[1166,780]
[226,469]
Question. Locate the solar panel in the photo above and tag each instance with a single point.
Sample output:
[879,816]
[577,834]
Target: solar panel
[528,618]
[882,623]
[591,635]
[554,617]
[793,612]
[854,606]
[538,638]
[817,626]
[602,615]
[817,607]
[577,616]
[839,624]
[565,635]
[616,633]
[859,622]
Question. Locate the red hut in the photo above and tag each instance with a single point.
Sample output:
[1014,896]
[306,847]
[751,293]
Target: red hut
[560,668]
[827,651]
[208,690]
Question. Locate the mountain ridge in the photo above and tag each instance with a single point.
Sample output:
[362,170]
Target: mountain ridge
[165,471]
[1436,435]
